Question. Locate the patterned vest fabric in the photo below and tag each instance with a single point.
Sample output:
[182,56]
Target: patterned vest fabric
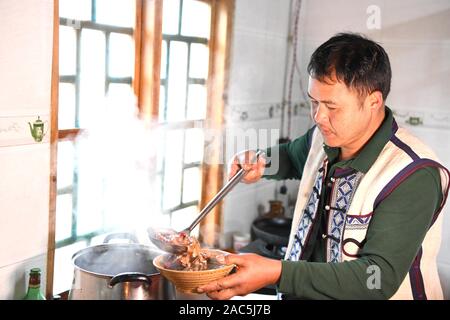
[341,196]
[309,214]
[355,196]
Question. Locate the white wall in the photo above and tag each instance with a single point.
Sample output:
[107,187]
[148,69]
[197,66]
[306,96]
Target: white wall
[26,32]
[258,70]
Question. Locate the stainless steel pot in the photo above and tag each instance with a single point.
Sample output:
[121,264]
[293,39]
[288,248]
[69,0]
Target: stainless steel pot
[117,271]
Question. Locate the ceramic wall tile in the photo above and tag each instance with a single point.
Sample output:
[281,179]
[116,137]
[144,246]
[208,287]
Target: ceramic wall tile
[24,190]
[14,277]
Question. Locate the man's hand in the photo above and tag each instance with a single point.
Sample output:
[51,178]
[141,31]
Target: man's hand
[247,160]
[253,272]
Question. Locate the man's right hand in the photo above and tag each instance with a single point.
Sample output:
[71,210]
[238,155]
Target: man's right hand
[247,160]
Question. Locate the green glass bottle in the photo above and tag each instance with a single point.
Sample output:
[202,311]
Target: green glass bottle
[34,286]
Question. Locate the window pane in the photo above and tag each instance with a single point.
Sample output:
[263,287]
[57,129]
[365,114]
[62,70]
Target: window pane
[91,184]
[75,9]
[67,50]
[196,102]
[119,94]
[177,81]
[173,168]
[196,19]
[158,188]
[163,60]
[191,184]
[66,106]
[116,12]
[183,218]
[198,66]
[171,12]
[100,238]
[92,85]
[63,217]
[90,203]
[121,55]
[194,146]
[65,164]
[161,220]
[116,212]
[160,155]
[162,101]
[63,276]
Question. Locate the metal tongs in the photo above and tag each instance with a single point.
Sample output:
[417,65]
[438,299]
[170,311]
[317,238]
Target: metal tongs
[162,237]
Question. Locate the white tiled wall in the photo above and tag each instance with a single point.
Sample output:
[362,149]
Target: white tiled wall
[258,69]
[24,205]
[26,33]
[259,61]
[24,57]
[14,277]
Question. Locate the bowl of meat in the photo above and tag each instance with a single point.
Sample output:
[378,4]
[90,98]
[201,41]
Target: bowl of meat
[193,268]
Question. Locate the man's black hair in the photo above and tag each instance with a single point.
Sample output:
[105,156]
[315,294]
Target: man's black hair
[360,63]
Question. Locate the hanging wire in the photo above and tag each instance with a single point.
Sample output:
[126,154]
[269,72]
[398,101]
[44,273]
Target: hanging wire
[286,70]
[293,65]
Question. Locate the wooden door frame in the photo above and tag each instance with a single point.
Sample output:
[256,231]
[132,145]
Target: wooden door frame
[218,78]
[51,243]
[148,40]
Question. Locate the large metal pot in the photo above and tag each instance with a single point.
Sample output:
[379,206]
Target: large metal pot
[117,271]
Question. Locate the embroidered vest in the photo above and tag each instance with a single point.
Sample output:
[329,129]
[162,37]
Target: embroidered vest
[355,196]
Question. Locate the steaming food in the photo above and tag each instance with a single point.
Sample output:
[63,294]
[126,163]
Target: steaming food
[193,259]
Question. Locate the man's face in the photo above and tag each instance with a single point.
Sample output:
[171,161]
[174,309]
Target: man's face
[340,114]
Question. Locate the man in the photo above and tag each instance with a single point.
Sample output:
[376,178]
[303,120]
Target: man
[366,223]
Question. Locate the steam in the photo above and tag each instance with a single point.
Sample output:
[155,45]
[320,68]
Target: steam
[117,169]
[118,160]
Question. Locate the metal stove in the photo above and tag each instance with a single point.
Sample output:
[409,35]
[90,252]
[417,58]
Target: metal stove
[270,236]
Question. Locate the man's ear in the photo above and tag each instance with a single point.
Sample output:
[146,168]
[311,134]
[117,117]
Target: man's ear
[375,100]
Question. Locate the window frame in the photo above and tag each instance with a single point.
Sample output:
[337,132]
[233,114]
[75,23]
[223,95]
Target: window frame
[70,134]
[218,77]
[183,124]
[146,85]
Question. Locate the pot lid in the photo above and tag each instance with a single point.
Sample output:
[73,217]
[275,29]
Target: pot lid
[114,258]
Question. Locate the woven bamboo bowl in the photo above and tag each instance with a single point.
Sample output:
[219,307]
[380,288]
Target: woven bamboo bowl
[189,281]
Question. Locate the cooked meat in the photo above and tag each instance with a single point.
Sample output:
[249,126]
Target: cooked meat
[193,259]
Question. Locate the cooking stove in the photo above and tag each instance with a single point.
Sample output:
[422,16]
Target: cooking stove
[270,236]
[261,247]
[267,250]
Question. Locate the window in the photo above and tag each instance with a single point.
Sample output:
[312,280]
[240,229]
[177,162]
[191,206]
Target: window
[104,55]
[96,60]
[183,74]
